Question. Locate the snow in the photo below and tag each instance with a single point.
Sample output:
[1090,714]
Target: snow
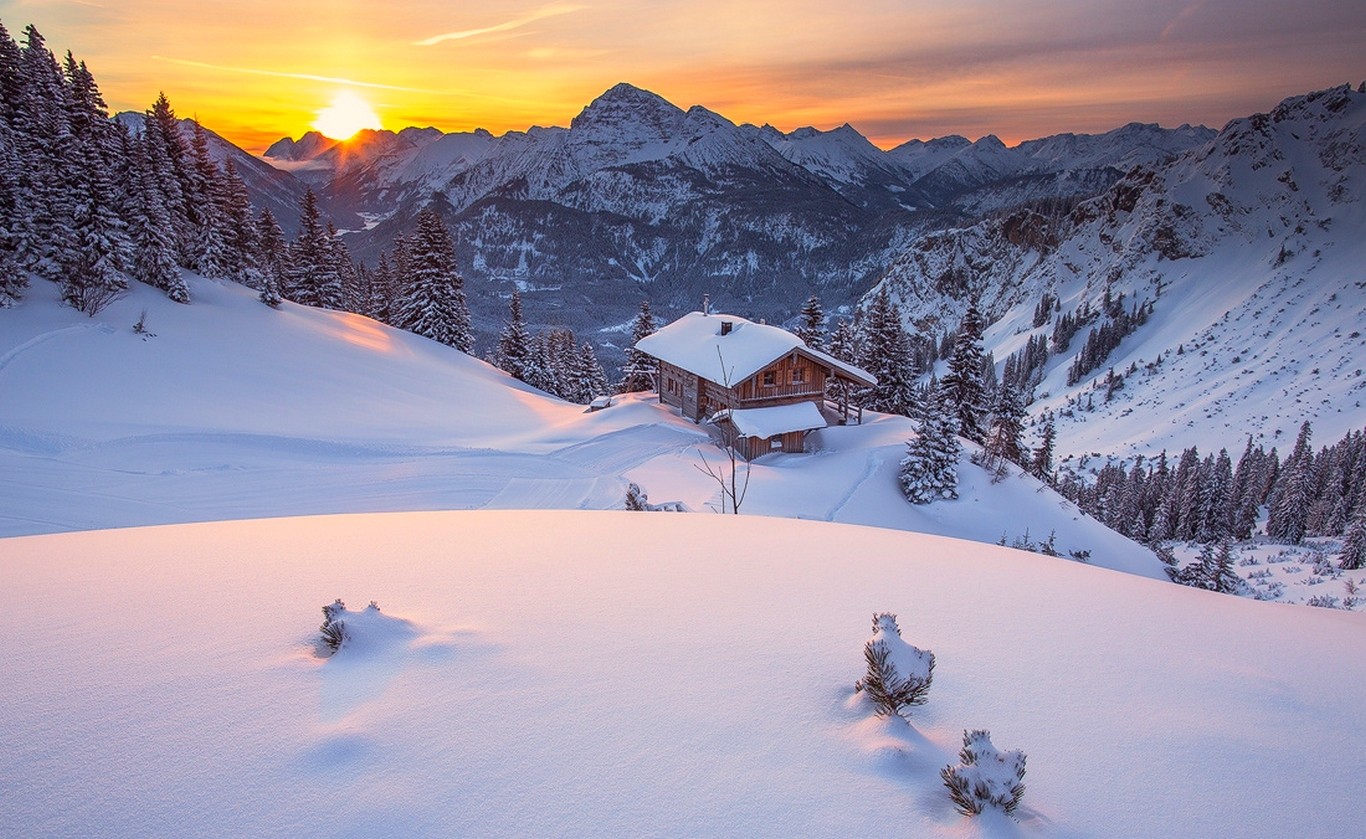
[579,674]
[770,422]
[235,410]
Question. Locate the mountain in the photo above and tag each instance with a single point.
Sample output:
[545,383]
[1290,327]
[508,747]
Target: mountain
[1249,249]
[640,198]
[268,186]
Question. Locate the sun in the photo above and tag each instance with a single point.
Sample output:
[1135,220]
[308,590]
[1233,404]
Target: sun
[347,114]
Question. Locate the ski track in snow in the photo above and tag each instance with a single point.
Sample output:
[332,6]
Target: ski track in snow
[48,336]
[873,462]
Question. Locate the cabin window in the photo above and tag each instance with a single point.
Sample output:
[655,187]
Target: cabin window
[673,388]
[798,375]
[769,379]
[775,443]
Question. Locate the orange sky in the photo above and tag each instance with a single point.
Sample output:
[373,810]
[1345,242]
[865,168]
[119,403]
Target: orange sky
[896,69]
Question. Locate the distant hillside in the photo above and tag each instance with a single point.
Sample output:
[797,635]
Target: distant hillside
[1250,249]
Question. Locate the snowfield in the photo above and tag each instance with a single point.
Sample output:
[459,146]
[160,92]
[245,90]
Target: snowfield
[551,670]
[234,410]
[645,674]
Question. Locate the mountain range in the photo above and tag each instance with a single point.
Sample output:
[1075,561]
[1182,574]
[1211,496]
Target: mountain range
[640,198]
[1250,249]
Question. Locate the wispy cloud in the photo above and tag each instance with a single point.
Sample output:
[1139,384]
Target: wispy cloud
[1180,18]
[305,76]
[515,23]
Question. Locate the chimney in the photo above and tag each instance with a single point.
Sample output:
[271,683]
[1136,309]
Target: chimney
[706,304]
[726,326]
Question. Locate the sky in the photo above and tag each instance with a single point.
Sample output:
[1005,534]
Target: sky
[255,71]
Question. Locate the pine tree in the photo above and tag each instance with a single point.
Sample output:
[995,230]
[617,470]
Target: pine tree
[1352,557]
[1041,463]
[169,159]
[586,379]
[154,259]
[435,303]
[1002,443]
[887,355]
[514,344]
[812,328]
[306,256]
[963,383]
[1291,497]
[844,342]
[929,471]
[13,278]
[270,257]
[639,372]
[237,229]
[47,237]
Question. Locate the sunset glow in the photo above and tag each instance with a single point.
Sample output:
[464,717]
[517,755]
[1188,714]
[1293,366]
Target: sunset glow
[347,114]
[895,69]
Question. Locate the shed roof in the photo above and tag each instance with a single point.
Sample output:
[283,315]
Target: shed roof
[770,422]
[695,343]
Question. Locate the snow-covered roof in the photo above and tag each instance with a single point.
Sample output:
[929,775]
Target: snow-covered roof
[695,343]
[770,422]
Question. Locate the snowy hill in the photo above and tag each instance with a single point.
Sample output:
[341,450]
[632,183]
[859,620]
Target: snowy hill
[590,674]
[234,410]
[1250,249]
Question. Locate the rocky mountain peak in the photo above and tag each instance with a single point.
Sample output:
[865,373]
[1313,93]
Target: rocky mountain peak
[628,109]
[307,147]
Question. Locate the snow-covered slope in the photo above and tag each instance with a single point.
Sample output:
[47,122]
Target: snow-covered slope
[644,674]
[1250,248]
[235,410]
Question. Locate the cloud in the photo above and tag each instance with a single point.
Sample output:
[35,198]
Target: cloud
[305,76]
[515,23]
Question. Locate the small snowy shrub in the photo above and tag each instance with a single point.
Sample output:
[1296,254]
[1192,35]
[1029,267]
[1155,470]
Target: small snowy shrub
[985,777]
[899,675]
[334,628]
[636,499]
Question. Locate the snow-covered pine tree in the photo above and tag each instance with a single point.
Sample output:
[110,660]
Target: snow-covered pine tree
[887,355]
[898,675]
[13,279]
[435,303]
[166,152]
[337,279]
[589,378]
[636,499]
[985,776]
[1002,443]
[270,257]
[1352,557]
[95,276]
[154,245]
[306,255]
[963,382]
[541,371]
[1291,497]
[1041,461]
[844,342]
[379,305]
[929,471]
[514,342]
[238,231]
[208,252]
[638,374]
[48,158]
[812,327]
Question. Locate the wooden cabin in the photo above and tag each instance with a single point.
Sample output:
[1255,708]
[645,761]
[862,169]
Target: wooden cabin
[759,383]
